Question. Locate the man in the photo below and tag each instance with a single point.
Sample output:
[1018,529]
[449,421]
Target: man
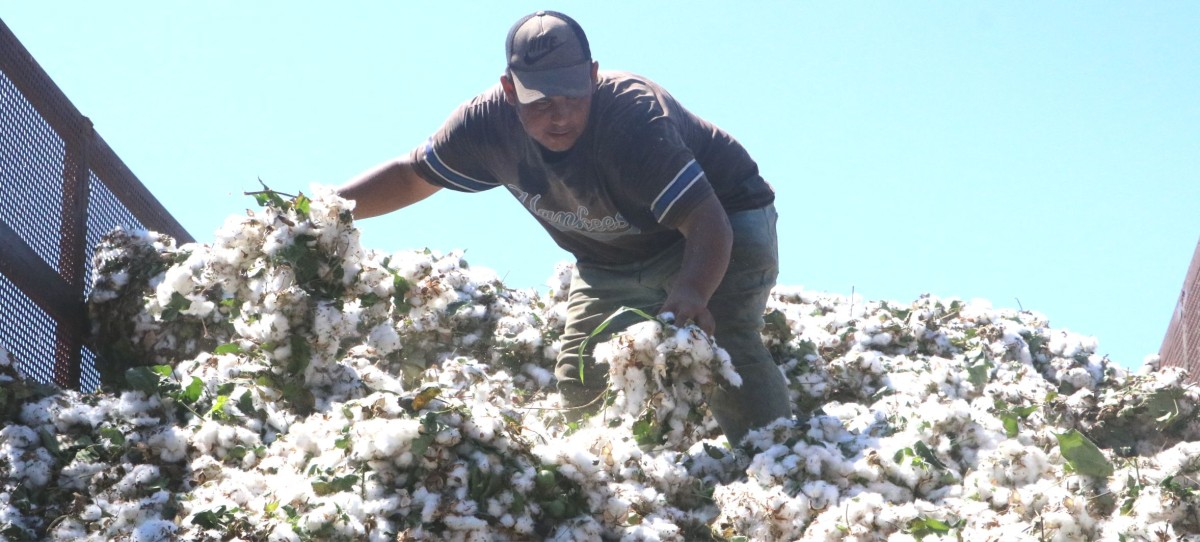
[662,210]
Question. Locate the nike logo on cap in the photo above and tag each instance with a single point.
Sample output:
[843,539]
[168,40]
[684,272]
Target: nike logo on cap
[541,47]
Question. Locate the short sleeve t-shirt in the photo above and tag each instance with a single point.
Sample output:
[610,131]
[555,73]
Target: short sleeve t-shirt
[642,163]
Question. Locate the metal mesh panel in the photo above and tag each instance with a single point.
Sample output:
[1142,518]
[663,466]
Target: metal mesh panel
[31,174]
[90,379]
[1181,346]
[61,189]
[105,212]
[28,333]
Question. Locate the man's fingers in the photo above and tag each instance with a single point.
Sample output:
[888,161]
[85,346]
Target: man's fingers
[705,322]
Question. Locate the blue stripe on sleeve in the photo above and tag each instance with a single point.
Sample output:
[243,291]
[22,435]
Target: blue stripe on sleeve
[450,175]
[676,188]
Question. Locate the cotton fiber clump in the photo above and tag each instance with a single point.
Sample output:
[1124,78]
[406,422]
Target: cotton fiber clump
[285,384]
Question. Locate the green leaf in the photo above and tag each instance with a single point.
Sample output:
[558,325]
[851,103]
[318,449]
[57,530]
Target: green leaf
[421,443]
[301,354]
[1011,429]
[113,435]
[177,304]
[1082,455]
[211,519]
[1011,417]
[302,204]
[269,197]
[400,287]
[777,325]
[1025,411]
[1134,489]
[978,374]
[193,391]
[922,450]
[336,485]
[228,348]
[217,412]
[142,379]
[246,403]
[1163,406]
[919,527]
[647,431]
[50,442]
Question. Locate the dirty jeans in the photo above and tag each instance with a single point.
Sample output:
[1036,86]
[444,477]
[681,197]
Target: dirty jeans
[597,291]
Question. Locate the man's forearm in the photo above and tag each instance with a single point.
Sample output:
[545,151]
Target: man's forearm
[391,185]
[708,240]
[706,255]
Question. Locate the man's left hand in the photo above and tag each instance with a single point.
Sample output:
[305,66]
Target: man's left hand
[689,306]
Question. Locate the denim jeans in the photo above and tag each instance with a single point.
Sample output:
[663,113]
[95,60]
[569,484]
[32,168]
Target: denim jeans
[597,291]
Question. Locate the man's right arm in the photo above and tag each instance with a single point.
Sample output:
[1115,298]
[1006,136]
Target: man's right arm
[392,185]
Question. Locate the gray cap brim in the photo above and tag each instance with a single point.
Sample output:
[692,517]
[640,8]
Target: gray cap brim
[573,81]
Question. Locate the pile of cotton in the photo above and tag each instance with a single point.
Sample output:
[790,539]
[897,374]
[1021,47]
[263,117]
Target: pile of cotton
[284,383]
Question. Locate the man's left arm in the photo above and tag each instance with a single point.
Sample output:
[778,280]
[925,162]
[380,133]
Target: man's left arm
[708,240]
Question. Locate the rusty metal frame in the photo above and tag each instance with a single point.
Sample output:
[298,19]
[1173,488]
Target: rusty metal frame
[59,293]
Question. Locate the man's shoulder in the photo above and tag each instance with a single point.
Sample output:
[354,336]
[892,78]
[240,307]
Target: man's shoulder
[488,101]
[486,109]
[623,80]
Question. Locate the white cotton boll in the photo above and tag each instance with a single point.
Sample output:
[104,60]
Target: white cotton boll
[1064,343]
[33,467]
[478,274]
[198,306]
[1181,458]
[384,338]
[282,236]
[155,530]
[135,406]
[540,375]
[283,532]
[1078,377]
[170,443]
[646,335]
[977,310]
[428,502]
[137,476]
[560,281]
[412,265]
[464,523]
[175,280]
[1150,363]
[581,529]
[821,494]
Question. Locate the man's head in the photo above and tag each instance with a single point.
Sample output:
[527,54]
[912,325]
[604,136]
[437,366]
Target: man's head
[550,77]
[548,55]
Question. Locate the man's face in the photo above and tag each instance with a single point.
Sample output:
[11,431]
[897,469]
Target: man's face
[554,121]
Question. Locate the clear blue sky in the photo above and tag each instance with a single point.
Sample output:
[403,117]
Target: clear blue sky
[1037,154]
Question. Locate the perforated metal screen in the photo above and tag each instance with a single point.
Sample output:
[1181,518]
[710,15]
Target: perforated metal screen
[31,164]
[28,332]
[61,189]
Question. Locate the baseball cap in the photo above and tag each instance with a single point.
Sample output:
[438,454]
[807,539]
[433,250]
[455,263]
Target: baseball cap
[548,55]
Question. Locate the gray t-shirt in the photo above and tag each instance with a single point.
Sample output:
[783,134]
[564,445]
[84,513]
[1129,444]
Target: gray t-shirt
[619,194]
